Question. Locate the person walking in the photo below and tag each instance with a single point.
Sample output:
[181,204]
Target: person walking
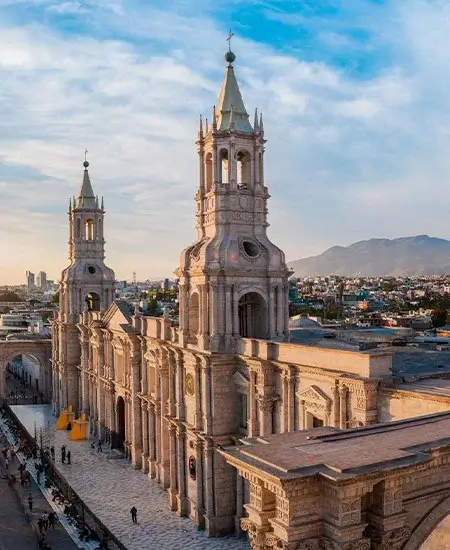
[133,513]
[51,520]
[30,502]
[69,456]
[40,525]
[63,454]
[52,452]
[45,520]
[99,446]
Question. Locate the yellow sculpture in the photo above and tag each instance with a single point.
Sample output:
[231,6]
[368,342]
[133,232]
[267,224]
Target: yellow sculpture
[79,428]
[65,418]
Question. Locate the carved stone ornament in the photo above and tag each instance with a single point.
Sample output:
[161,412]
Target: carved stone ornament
[393,540]
[256,535]
[190,385]
[328,544]
[312,544]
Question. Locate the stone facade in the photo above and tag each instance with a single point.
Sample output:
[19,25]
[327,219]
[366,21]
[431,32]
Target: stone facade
[171,397]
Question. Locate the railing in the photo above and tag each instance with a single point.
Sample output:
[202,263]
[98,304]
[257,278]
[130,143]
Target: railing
[107,540]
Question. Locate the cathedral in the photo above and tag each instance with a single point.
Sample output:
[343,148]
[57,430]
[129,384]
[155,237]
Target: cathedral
[171,396]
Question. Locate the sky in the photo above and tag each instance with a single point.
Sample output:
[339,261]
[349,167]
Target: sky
[356,103]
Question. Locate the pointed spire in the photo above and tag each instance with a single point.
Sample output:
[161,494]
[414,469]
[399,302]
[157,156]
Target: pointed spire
[70,205]
[86,198]
[206,125]
[96,201]
[255,123]
[231,95]
[101,206]
[261,125]
[200,127]
[214,123]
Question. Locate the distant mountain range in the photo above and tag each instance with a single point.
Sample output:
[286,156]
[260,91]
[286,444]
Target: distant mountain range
[407,256]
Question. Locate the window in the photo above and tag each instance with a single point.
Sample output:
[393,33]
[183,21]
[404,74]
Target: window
[89,230]
[243,410]
[225,167]
[209,172]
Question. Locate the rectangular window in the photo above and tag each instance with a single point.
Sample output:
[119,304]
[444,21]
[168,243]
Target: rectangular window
[243,411]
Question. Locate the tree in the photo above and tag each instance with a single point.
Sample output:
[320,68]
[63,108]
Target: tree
[153,307]
[9,297]
[438,317]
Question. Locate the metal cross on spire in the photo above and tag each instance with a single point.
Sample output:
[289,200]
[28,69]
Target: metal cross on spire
[229,37]
[85,154]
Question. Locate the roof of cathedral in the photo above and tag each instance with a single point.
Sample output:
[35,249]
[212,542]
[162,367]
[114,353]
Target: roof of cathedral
[86,198]
[231,112]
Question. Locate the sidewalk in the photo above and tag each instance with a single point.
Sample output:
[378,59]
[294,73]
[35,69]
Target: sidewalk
[58,538]
[111,487]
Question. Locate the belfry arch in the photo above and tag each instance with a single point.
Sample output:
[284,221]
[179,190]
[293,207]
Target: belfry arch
[252,315]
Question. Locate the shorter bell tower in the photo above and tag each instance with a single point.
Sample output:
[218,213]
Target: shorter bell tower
[233,279]
[87,284]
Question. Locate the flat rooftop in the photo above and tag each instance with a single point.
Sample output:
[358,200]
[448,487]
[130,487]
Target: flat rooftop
[430,386]
[343,454]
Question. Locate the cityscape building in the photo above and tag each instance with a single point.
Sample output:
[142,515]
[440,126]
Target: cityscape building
[41,280]
[30,279]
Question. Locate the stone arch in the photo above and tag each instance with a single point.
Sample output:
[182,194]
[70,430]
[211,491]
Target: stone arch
[209,172]
[243,165]
[252,315]
[194,314]
[224,164]
[93,301]
[431,520]
[120,422]
[89,229]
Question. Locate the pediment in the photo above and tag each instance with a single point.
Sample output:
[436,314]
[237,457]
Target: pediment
[315,395]
[240,380]
[115,318]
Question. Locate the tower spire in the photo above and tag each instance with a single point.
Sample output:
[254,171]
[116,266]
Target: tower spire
[255,123]
[86,197]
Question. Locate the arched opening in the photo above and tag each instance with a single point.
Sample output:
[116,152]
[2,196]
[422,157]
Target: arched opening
[78,228]
[194,316]
[89,230]
[252,313]
[243,169]
[26,381]
[92,301]
[224,167]
[209,172]
[120,417]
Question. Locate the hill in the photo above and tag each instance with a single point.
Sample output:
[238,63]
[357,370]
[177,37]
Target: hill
[407,256]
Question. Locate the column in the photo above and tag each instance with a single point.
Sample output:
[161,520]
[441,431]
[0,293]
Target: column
[343,407]
[302,411]
[173,489]
[253,428]
[209,488]
[136,412]
[152,441]
[291,404]
[199,504]
[228,311]
[280,302]
[145,438]
[236,328]
[239,502]
[271,313]
[181,471]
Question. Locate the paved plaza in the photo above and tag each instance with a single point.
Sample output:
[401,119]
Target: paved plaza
[110,487]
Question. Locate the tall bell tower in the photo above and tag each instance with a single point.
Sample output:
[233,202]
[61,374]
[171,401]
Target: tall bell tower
[87,284]
[233,279]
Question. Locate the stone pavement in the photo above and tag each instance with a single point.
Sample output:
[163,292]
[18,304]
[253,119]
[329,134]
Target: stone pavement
[111,487]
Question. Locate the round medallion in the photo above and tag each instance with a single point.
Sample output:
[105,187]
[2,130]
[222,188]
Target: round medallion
[190,384]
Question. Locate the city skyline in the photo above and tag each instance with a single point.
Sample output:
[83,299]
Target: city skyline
[354,102]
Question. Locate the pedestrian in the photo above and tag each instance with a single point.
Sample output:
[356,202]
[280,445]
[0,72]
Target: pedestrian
[92,445]
[99,446]
[6,464]
[40,525]
[133,513]
[69,455]
[30,502]
[51,520]
[63,454]
[52,452]
[45,520]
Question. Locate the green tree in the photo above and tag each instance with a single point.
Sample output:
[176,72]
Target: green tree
[438,317]
[9,297]
[153,307]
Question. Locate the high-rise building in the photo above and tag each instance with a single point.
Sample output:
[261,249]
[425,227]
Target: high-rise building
[30,279]
[41,280]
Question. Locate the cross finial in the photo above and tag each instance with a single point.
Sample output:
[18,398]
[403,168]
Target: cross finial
[229,37]
[85,163]
[85,153]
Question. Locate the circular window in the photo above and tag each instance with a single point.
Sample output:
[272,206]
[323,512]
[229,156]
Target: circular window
[91,270]
[250,248]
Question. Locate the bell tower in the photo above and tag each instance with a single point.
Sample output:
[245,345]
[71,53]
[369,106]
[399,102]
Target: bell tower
[233,279]
[87,284]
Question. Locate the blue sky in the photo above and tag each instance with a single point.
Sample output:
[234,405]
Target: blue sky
[354,95]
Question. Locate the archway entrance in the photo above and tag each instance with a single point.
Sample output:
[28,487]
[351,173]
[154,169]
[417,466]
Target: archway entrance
[25,381]
[120,435]
[252,312]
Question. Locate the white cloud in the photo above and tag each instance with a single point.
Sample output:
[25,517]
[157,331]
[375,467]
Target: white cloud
[347,158]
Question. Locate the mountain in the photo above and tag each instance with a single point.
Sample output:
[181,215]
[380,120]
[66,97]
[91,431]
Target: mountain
[407,256]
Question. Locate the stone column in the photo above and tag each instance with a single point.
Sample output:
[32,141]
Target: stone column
[145,438]
[236,327]
[209,488]
[291,402]
[253,428]
[135,405]
[173,489]
[266,415]
[343,407]
[181,472]
[271,313]
[280,316]
[262,507]
[302,415]
[206,396]
[152,441]
[239,502]
[197,512]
